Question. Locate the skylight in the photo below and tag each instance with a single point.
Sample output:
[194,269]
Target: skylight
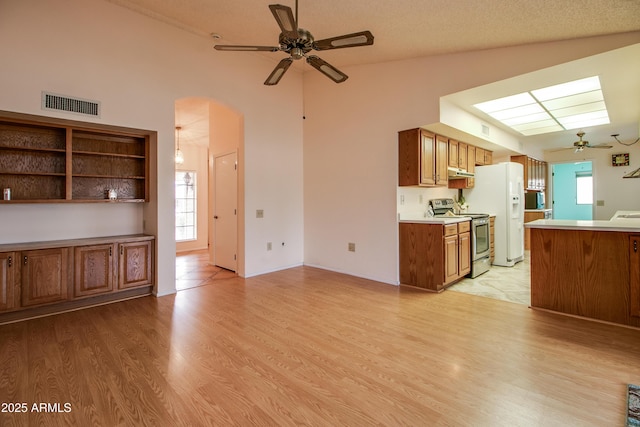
[571,105]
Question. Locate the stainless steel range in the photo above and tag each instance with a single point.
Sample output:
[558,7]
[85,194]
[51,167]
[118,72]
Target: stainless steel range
[480,236]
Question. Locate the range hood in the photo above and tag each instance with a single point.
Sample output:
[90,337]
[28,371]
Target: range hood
[455,173]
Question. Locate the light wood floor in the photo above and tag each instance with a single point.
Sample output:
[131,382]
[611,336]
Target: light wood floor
[311,347]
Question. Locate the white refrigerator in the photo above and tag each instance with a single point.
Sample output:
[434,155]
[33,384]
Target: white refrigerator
[499,190]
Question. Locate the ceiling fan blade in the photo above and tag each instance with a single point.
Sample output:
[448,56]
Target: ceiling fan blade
[247,48]
[285,19]
[363,38]
[600,146]
[327,69]
[278,72]
[560,149]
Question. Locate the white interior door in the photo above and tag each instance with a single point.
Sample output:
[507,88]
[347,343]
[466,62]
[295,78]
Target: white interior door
[225,218]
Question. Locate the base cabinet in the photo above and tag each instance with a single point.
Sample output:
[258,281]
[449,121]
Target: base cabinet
[7,280]
[135,264]
[434,256]
[44,275]
[94,269]
[47,277]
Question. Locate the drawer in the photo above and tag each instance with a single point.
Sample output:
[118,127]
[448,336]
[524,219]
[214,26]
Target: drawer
[463,227]
[450,230]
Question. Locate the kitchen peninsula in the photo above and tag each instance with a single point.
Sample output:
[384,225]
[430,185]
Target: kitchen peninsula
[587,268]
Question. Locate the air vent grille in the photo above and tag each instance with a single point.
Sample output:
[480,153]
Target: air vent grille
[55,102]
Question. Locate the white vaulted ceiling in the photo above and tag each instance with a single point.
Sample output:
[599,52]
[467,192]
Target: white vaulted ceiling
[418,28]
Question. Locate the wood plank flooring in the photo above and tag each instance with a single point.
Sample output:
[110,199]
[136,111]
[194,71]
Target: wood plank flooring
[306,346]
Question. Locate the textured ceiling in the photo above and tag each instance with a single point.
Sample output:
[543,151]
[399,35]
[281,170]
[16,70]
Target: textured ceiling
[408,28]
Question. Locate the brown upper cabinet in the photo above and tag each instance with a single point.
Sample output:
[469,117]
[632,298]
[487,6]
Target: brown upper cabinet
[422,158]
[44,160]
[535,172]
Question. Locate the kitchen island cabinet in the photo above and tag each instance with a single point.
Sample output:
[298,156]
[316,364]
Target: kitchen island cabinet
[434,255]
[589,269]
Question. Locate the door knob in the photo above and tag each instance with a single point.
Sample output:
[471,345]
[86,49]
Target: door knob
[215,217]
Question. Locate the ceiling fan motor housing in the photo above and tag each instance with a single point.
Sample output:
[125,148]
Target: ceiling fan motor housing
[299,47]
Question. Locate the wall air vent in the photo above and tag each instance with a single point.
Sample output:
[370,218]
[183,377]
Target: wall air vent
[485,130]
[51,101]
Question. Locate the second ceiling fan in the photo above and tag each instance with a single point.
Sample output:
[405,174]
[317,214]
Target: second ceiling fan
[298,42]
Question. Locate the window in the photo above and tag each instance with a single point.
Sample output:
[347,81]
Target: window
[584,188]
[185,205]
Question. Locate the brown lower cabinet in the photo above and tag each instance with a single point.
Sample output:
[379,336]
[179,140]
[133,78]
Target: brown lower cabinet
[434,256]
[46,277]
[634,272]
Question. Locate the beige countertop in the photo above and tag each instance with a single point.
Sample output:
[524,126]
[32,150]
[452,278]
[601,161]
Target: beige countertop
[422,218]
[631,225]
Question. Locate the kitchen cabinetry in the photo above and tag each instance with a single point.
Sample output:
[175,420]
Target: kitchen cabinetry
[634,287]
[483,157]
[587,271]
[46,277]
[470,167]
[422,158]
[433,256]
[7,280]
[535,172]
[457,154]
[528,217]
[44,160]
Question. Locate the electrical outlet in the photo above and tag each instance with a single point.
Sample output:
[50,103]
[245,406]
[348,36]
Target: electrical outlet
[402,199]
[420,199]
[259,213]
[599,202]
[352,247]
[268,246]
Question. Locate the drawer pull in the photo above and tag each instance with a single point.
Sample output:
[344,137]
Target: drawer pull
[24,261]
[10,261]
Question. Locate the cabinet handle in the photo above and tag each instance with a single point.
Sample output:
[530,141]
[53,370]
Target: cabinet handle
[121,250]
[635,246]
[24,260]
[110,250]
[10,261]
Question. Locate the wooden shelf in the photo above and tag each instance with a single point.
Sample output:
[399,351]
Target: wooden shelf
[52,160]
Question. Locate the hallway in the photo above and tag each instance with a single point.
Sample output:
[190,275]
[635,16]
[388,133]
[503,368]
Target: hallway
[193,270]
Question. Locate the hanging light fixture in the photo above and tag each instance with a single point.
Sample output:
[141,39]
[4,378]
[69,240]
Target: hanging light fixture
[179,155]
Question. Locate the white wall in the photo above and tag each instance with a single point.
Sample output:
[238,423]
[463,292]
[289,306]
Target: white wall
[137,67]
[350,137]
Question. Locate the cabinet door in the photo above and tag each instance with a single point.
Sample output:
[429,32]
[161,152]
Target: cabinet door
[442,148]
[480,156]
[427,158]
[471,164]
[44,276]
[94,269]
[7,280]
[634,285]
[462,155]
[134,264]
[450,259]
[464,246]
[488,157]
[453,153]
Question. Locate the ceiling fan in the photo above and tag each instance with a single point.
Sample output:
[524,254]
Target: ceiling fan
[580,144]
[298,42]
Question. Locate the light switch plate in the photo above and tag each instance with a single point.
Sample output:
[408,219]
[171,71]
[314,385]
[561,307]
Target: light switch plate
[259,213]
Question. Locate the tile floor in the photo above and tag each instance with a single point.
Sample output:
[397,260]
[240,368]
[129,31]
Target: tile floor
[503,283]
